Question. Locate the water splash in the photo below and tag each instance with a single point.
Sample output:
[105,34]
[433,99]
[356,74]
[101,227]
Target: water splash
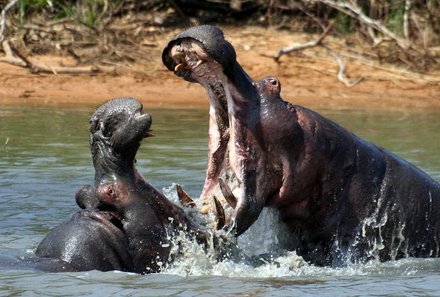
[267,235]
[262,248]
[265,253]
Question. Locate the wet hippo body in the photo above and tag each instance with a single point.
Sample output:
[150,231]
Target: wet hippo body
[126,223]
[88,240]
[343,198]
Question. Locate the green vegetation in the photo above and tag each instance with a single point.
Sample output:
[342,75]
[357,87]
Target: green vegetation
[54,8]
[88,12]
[406,30]
[391,13]
[394,17]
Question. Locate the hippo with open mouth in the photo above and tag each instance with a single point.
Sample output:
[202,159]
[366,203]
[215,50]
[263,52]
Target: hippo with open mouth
[126,224]
[343,199]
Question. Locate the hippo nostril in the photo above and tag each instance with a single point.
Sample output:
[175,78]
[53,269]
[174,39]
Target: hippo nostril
[273,81]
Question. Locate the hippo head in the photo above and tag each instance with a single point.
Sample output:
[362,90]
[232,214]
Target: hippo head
[270,88]
[188,51]
[116,131]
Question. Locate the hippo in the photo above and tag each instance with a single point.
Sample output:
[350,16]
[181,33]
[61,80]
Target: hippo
[342,198]
[125,223]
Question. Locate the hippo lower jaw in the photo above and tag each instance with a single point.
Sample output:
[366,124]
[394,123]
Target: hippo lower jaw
[108,218]
[188,59]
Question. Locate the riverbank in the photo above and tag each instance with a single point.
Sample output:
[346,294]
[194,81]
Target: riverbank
[308,78]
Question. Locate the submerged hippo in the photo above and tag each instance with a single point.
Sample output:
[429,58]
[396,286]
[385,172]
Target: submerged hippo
[127,224]
[342,198]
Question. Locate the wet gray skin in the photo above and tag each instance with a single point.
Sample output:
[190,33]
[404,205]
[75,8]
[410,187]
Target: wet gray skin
[343,198]
[126,222]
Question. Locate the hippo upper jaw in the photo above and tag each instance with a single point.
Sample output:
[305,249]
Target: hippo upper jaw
[210,39]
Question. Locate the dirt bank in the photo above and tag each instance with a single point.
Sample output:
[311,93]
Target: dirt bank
[308,78]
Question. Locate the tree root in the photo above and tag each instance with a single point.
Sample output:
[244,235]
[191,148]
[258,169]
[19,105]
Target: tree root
[342,77]
[5,10]
[300,47]
[351,9]
[9,56]
[14,57]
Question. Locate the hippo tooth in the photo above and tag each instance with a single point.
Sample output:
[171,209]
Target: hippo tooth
[199,51]
[179,67]
[184,198]
[199,62]
[205,209]
[227,193]
[177,54]
[219,213]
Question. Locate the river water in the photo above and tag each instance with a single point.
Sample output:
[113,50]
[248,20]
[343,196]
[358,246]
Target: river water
[45,157]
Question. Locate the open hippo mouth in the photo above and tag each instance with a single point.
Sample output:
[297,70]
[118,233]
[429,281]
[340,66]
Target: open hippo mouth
[201,54]
[190,60]
[120,123]
[108,218]
[117,129]
[190,56]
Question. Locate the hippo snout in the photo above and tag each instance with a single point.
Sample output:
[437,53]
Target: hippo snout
[209,39]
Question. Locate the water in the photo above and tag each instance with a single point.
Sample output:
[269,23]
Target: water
[44,158]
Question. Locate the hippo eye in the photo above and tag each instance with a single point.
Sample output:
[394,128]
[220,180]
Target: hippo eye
[273,82]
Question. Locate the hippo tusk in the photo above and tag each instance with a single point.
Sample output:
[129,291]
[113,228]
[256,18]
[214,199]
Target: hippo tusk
[179,67]
[177,54]
[247,212]
[227,192]
[199,62]
[184,198]
[219,213]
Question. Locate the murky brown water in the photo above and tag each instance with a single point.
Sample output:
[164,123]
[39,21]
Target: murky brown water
[44,158]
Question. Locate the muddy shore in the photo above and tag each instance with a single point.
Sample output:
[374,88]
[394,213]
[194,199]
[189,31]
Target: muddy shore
[308,78]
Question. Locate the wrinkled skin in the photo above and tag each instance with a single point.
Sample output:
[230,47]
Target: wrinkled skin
[343,198]
[126,221]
